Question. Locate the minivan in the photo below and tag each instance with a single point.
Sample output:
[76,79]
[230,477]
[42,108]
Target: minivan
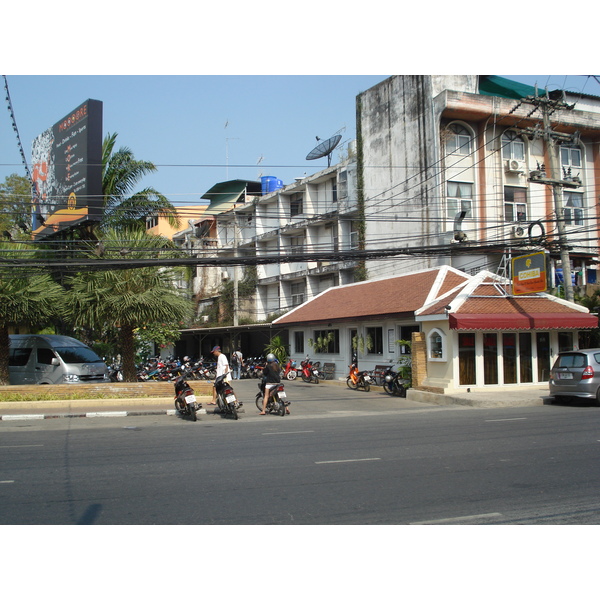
[46,359]
[576,374]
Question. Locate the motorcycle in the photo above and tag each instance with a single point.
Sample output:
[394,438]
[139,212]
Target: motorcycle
[309,373]
[276,402]
[394,385]
[115,372]
[185,399]
[358,379]
[226,400]
[290,372]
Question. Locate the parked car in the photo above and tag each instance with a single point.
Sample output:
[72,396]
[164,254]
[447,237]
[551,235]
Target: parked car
[576,374]
[47,359]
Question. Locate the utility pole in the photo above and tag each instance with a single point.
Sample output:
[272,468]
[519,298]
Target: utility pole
[553,178]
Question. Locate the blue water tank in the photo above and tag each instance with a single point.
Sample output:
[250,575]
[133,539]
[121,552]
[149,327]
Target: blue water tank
[270,184]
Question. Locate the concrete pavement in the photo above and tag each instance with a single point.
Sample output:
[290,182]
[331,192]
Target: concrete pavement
[348,401]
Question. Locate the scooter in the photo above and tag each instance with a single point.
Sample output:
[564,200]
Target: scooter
[394,385]
[226,401]
[309,374]
[185,399]
[358,379]
[276,402]
[290,372]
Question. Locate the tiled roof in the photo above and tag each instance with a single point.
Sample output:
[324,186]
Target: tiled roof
[395,295]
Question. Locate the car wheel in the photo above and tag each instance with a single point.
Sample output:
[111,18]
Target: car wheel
[598,396]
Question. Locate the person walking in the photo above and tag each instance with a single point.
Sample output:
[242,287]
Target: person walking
[237,362]
[222,368]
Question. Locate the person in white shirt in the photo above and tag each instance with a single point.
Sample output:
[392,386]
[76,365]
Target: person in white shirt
[222,368]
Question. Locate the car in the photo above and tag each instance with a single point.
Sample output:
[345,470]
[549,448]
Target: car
[576,374]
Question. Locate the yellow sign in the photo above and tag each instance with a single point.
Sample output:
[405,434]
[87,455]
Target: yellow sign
[529,273]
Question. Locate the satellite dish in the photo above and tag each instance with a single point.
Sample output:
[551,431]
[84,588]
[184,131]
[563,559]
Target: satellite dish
[324,149]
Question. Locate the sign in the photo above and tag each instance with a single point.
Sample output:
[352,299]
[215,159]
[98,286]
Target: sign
[67,171]
[529,273]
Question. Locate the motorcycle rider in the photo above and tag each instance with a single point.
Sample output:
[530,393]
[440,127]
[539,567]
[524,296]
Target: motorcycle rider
[271,378]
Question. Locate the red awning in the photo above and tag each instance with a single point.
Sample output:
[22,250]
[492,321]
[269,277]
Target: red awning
[524,321]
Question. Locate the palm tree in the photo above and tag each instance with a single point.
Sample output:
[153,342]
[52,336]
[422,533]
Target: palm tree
[123,208]
[26,298]
[126,299]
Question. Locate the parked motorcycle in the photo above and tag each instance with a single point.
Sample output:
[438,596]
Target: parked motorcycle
[185,399]
[290,372]
[394,385]
[276,402]
[309,373]
[226,400]
[115,372]
[358,379]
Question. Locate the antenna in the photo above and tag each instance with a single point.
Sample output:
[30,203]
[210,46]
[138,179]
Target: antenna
[324,149]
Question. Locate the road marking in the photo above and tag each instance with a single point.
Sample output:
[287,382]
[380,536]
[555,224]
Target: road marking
[515,419]
[8,481]
[287,432]
[21,417]
[458,519]
[329,462]
[116,413]
[25,446]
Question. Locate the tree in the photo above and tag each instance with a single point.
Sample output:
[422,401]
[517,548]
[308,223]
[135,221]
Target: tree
[124,208]
[15,207]
[126,299]
[26,298]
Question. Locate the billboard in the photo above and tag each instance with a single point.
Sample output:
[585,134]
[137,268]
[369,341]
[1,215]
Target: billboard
[529,273]
[67,171]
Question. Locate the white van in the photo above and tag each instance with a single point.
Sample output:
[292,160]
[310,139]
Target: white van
[53,359]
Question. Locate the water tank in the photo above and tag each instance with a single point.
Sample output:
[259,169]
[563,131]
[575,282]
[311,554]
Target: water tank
[270,184]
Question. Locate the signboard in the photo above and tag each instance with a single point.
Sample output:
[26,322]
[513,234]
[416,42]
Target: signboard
[67,171]
[529,273]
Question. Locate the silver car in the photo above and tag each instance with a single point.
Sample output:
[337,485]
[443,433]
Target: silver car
[576,374]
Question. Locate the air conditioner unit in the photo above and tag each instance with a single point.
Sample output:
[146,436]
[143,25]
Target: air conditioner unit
[518,231]
[514,166]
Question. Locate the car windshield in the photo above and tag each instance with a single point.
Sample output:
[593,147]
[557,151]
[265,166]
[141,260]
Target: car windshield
[76,355]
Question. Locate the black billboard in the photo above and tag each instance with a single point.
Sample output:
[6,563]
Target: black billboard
[67,171]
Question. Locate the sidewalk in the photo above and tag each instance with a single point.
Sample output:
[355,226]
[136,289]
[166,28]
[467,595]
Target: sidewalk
[372,401]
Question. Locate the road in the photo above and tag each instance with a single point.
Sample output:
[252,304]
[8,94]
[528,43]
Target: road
[411,464]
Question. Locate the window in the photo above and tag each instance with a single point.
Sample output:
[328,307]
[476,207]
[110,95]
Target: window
[513,146]
[573,208]
[151,222]
[570,156]
[297,245]
[296,204]
[460,197]
[299,342]
[375,340]
[459,140]
[515,204]
[436,348]
[334,190]
[298,290]
[327,341]
[466,358]
[343,184]
[45,356]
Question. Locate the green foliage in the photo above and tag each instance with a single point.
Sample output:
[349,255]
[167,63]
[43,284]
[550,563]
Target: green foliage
[278,348]
[405,361]
[15,207]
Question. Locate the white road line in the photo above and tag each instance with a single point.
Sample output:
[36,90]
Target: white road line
[25,446]
[458,519]
[21,417]
[329,462]
[286,432]
[8,481]
[116,413]
[515,419]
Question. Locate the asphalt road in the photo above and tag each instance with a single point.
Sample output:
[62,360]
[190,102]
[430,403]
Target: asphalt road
[405,463]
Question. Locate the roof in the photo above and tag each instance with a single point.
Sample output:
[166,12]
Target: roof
[372,299]
[223,196]
[475,302]
[492,85]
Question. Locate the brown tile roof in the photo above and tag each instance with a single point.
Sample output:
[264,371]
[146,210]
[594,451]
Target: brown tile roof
[372,299]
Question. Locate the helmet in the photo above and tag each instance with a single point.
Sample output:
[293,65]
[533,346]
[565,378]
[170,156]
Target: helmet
[186,359]
[271,358]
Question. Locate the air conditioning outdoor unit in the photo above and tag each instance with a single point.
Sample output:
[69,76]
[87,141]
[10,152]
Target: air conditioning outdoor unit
[518,231]
[514,166]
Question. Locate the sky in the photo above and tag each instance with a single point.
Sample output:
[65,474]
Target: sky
[200,130]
